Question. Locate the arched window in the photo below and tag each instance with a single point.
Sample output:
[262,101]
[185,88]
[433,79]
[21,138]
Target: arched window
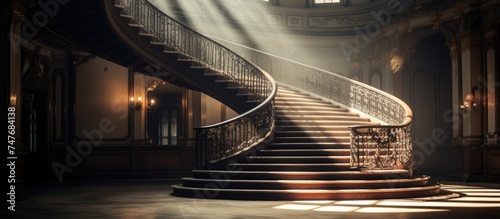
[327,1]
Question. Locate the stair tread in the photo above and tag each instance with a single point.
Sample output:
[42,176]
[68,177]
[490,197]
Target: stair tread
[312,137]
[317,112]
[315,131]
[290,164]
[299,157]
[333,181]
[330,120]
[310,143]
[305,150]
[357,172]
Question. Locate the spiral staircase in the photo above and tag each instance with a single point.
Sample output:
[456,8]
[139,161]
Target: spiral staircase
[303,139]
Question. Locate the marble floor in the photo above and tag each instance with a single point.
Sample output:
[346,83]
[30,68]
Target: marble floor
[150,198]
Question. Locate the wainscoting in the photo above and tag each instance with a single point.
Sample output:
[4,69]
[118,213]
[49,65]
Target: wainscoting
[479,164]
[127,162]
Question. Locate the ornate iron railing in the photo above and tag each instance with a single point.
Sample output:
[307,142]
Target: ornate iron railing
[382,146]
[220,141]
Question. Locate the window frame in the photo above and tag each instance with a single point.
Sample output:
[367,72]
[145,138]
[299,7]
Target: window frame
[327,4]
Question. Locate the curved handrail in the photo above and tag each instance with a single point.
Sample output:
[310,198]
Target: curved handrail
[372,146]
[217,142]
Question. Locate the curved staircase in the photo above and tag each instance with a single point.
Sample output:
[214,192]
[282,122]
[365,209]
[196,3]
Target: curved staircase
[289,146]
[309,158]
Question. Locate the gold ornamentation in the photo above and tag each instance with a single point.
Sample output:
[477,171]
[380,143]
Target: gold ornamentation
[460,10]
[453,51]
[491,15]
[470,39]
[408,27]
[398,58]
[489,35]
[435,18]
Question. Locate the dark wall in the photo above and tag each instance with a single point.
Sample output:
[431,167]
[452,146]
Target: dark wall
[429,90]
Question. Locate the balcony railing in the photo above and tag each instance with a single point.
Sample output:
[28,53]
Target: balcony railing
[384,146]
[217,142]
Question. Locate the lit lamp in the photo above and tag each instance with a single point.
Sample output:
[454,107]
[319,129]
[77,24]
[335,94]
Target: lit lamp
[470,104]
[135,104]
[151,104]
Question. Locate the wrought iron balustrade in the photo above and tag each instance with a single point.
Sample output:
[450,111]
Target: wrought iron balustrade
[220,141]
[382,146]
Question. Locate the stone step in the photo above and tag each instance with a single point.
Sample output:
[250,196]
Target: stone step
[312,139]
[299,159]
[322,118]
[307,133]
[346,122]
[308,107]
[285,125]
[305,194]
[304,152]
[292,166]
[297,97]
[291,112]
[302,103]
[309,145]
[305,184]
[302,175]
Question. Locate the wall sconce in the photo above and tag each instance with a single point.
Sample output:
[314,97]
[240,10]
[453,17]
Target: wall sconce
[135,104]
[470,103]
[151,104]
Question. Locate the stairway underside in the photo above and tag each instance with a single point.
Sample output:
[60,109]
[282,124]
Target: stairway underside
[307,160]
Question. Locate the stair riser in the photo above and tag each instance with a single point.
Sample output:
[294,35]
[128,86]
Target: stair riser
[305,153]
[310,139]
[310,128]
[285,104]
[318,195]
[283,113]
[292,168]
[298,176]
[320,120]
[309,146]
[312,134]
[288,122]
[263,159]
[290,185]
[301,107]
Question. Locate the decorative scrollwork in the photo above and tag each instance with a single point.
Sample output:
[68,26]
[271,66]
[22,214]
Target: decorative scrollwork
[385,146]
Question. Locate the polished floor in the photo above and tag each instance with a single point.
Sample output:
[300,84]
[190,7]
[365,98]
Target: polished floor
[151,199]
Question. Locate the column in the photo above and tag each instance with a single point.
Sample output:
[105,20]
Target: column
[491,85]
[473,128]
[139,115]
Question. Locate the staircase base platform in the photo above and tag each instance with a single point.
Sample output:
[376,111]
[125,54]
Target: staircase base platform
[305,194]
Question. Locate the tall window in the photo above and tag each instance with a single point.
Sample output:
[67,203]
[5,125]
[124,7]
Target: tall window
[326,1]
[168,130]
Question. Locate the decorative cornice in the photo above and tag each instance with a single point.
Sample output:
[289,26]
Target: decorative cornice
[334,21]
[490,11]
[470,39]
[460,9]
[490,37]
[436,20]
[453,50]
